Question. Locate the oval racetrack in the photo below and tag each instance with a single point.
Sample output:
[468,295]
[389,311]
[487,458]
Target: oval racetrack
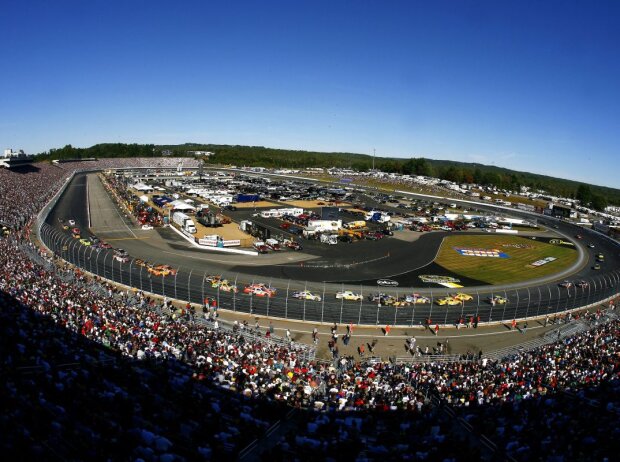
[537,299]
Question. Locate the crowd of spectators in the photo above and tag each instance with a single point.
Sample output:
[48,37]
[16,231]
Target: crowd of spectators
[91,372]
[24,190]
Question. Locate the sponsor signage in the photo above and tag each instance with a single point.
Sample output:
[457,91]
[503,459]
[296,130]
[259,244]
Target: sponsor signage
[518,246]
[210,242]
[387,283]
[493,253]
[542,261]
[560,242]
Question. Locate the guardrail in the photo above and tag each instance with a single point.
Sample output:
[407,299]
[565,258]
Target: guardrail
[190,285]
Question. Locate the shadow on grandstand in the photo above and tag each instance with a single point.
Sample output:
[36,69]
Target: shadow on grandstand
[23,169]
[68,398]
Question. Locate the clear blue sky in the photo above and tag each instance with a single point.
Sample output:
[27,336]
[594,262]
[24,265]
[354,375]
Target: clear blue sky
[533,86]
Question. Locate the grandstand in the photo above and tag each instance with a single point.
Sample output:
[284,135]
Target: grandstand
[93,372]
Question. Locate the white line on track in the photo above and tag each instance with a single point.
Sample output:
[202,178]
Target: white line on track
[88,203]
[121,217]
[213,259]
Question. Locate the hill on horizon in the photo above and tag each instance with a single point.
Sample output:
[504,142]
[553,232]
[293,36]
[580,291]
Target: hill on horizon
[596,196]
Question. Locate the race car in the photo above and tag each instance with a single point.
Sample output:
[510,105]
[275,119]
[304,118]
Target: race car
[85,242]
[167,268]
[260,290]
[448,301]
[497,300]
[566,284]
[71,222]
[376,297]
[463,297]
[417,298]
[121,258]
[140,262]
[306,295]
[214,280]
[65,227]
[226,286]
[582,284]
[162,270]
[349,295]
[383,299]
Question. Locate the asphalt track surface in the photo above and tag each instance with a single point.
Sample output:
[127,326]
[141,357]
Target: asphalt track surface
[538,298]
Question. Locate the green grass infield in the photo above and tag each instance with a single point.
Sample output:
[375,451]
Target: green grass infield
[523,259]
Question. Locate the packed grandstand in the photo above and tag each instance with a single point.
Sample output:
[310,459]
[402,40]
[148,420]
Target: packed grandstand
[93,372]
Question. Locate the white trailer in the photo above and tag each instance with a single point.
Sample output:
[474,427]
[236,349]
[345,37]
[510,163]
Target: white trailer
[185,222]
[325,225]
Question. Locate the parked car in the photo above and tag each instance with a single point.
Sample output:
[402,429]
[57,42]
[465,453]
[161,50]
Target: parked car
[260,247]
[272,244]
[292,244]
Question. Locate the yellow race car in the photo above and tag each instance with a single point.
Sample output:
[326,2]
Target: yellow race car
[162,270]
[448,301]
[226,286]
[463,297]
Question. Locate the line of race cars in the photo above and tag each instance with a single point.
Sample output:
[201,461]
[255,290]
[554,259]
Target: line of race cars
[581,284]
[263,290]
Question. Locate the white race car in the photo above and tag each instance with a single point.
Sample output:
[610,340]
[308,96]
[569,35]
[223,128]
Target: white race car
[306,295]
[349,295]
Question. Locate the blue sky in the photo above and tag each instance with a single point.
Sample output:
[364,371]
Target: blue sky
[533,86]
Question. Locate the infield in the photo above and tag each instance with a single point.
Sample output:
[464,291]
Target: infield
[498,259]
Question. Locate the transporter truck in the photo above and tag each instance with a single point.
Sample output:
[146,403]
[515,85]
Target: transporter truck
[185,222]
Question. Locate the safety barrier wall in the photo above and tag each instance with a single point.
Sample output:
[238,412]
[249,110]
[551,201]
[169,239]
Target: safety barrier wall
[190,285]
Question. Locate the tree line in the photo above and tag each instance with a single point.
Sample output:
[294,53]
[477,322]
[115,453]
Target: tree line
[597,197]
